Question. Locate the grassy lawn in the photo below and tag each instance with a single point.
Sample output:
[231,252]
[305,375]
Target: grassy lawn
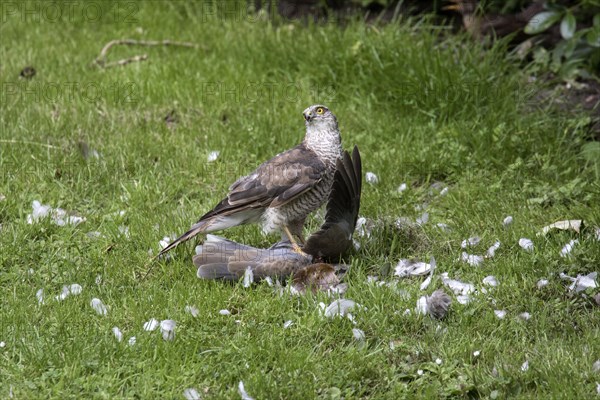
[424,110]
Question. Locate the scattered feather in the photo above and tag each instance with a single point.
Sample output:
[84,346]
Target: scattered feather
[2,344]
[472,241]
[596,366]
[458,287]
[438,361]
[568,248]
[63,294]
[131,341]
[402,187]
[225,312]
[491,252]
[507,221]
[476,353]
[443,227]
[525,366]
[340,307]
[191,394]
[192,310]
[98,279]
[423,219]
[242,392]
[248,277]
[364,227]
[124,231]
[351,318]
[597,233]
[406,268]
[420,372]
[98,306]
[421,307]
[58,216]
[338,289]
[464,299]
[117,332]
[287,324]
[438,304]
[268,280]
[167,328]
[526,244]
[426,282]
[444,191]
[571,224]
[471,259]
[151,325]
[212,156]
[164,242]
[75,289]
[371,178]
[94,235]
[40,296]
[358,334]
[542,282]
[525,316]
[490,280]
[403,223]
[500,314]
[582,282]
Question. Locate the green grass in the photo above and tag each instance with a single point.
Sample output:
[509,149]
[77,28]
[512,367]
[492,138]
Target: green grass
[422,109]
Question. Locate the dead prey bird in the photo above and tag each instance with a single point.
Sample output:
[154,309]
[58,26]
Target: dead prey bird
[220,258]
[283,191]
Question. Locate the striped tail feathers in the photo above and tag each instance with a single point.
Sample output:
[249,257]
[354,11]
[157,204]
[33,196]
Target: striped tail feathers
[278,263]
[201,226]
[212,222]
[224,259]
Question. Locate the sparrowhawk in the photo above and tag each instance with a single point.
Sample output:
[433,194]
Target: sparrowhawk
[283,191]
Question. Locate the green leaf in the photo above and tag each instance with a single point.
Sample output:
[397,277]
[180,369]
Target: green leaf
[593,37]
[542,21]
[568,25]
[597,20]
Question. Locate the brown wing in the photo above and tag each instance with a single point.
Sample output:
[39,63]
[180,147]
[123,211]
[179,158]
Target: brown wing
[274,183]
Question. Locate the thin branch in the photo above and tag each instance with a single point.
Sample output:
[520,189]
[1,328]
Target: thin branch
[126,61]
[101,59]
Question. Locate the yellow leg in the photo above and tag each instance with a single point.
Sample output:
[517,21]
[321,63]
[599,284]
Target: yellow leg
[295,246]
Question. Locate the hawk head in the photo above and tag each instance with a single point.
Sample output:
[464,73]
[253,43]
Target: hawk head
[322,133]
[319,116]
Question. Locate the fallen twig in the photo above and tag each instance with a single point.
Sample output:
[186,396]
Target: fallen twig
[125,61]
[101,59]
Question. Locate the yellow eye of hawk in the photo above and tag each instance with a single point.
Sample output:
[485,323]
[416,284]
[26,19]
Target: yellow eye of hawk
[320,110]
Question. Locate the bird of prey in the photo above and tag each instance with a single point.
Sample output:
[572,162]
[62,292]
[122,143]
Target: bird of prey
[220,258]
[283,191]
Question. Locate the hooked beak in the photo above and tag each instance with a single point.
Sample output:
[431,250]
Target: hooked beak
[307,116]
